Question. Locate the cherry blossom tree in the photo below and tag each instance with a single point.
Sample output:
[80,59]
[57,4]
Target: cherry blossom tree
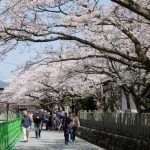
[110,29]
[112,40]
[54,78]
[130,80]
[47,84]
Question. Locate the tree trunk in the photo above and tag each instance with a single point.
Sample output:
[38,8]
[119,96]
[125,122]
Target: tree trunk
[128,99]
[137,100]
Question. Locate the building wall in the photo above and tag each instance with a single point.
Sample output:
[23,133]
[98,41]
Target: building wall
[28,107]
[124,103]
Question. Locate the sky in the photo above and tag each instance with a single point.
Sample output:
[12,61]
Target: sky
[10,63]
[18,57]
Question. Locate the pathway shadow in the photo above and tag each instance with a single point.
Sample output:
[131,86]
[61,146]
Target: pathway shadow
[23,141]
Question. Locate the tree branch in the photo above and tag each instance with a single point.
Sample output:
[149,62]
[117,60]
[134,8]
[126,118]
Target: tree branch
[135,7]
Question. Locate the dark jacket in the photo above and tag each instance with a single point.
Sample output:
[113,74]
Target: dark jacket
[37,120]
[26,122]
[66,121]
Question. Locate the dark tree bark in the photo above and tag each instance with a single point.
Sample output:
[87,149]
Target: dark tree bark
[135,7]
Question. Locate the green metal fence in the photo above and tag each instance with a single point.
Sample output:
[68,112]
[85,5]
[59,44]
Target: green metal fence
[9,132]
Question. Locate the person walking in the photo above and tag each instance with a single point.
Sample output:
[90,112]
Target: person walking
[42,118]
[54,121]
[25,125]
[65,123]
[46,120]
[37,124]
[58,119]
[74,125]
[31,117]
[51,121]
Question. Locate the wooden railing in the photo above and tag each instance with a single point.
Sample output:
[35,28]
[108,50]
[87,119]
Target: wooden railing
[125,124]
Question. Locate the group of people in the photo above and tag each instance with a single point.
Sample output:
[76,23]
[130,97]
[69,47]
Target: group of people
[70,126]
[26,124]
[54,121]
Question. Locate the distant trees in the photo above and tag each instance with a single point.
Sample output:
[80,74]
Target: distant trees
[89,103]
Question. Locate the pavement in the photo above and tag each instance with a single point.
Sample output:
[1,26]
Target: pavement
[52,140]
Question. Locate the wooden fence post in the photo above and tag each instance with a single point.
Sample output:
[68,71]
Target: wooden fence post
[7,112]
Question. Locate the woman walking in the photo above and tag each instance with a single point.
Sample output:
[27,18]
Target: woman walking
[75,124]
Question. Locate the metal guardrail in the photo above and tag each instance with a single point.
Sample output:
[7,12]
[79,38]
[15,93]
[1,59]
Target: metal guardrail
[9,131]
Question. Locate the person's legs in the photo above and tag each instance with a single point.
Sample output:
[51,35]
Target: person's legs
[24,133]
[54,124]
[42,124]
[66,135]
[51,126]
[46,124]
[59,123]
[36,131]
[74,133]
[39,132]
[71,132]
[27,133]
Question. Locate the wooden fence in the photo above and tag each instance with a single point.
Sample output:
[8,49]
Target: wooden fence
[125,124]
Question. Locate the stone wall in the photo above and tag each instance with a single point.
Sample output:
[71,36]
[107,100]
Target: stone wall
[111,141]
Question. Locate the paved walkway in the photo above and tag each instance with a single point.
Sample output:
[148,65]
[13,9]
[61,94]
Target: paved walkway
[51,140]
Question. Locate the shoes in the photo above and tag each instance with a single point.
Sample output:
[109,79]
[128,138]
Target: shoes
[66,142]
[25,140]
[72,141]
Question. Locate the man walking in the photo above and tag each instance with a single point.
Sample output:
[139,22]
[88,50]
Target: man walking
[25,124]
[65,123]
